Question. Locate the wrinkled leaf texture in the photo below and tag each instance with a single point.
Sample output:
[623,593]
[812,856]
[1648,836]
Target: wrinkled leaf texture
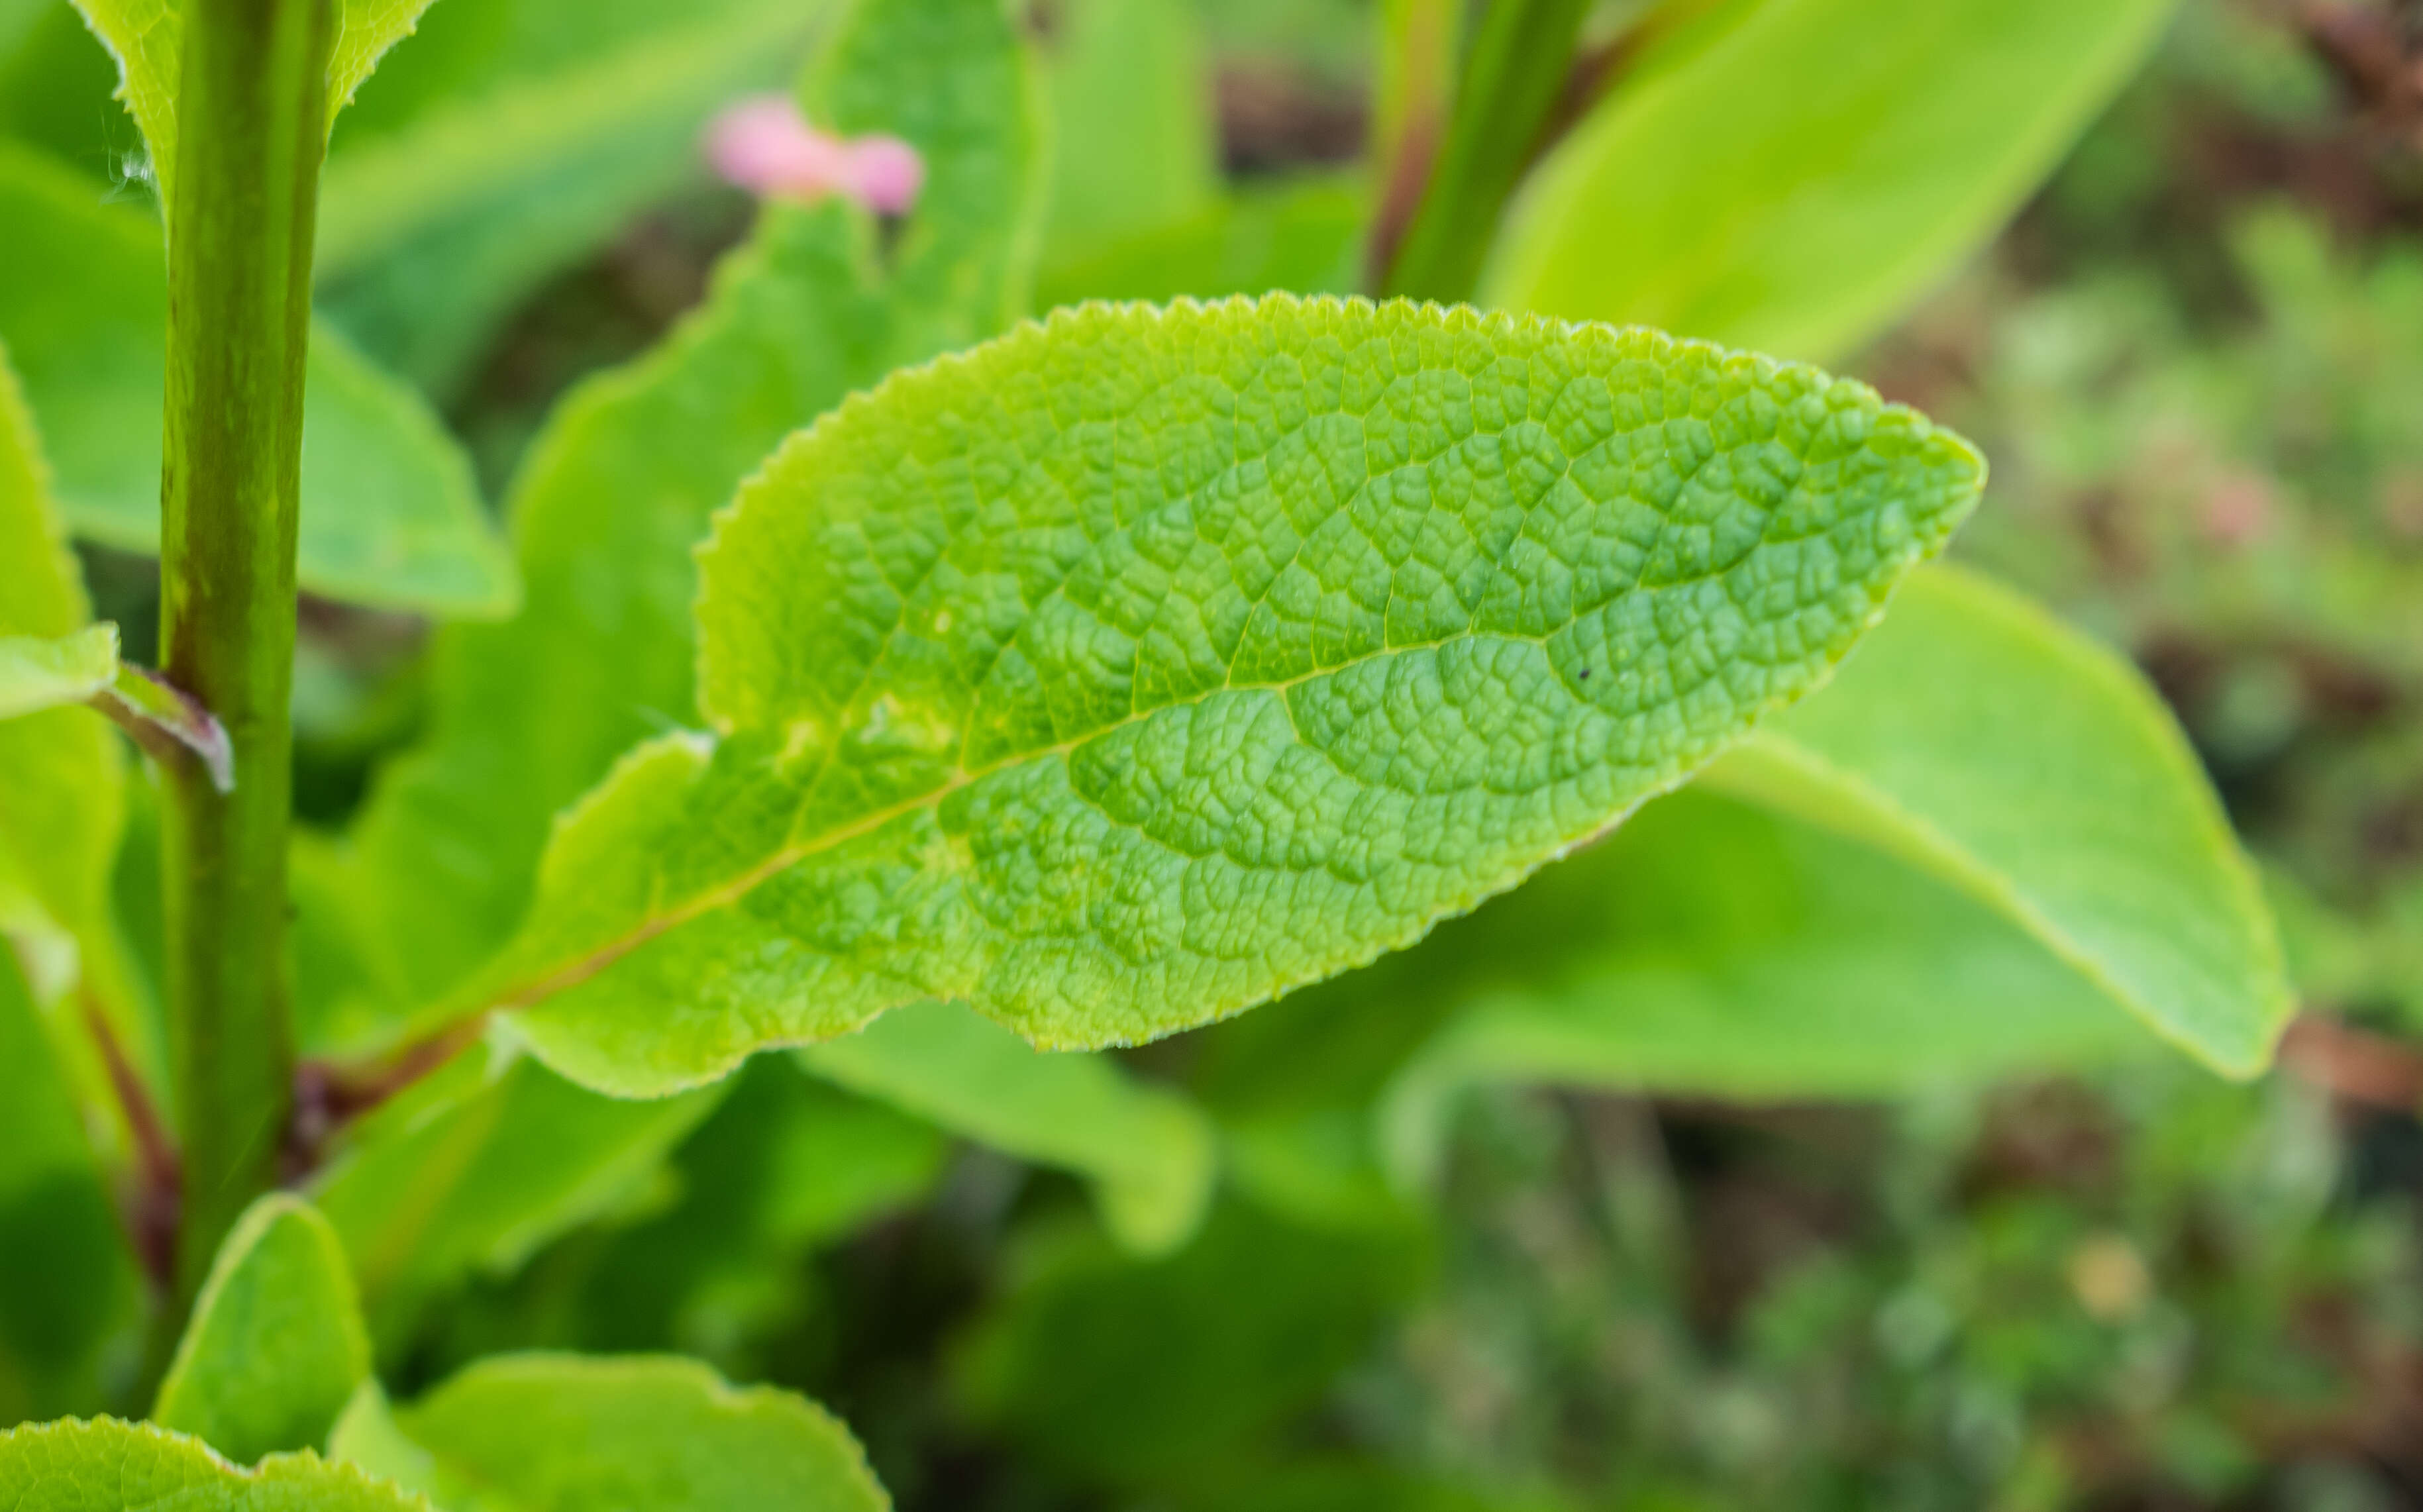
[1136,667]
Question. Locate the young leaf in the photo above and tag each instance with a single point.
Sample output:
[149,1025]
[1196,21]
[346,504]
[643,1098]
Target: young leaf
[561,1433]
[1980,738]
[529,715]
[39,673]
[1148,1150]
[390,515]
[1134,668]
[1710,949]
[496,151]
[275,1345]
[1804,173]
[471,1173]
[76,1466]
[147,37]
[68,1282]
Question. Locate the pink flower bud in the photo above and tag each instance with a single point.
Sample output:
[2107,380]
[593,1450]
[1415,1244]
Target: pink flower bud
[765,146]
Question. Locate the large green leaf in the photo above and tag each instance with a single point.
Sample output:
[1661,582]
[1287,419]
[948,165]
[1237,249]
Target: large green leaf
[511,138]
[1981,739]
[474,1169]
[1135,668]
[529,715]
[147,37]
[275,1345]
[68,1283]
[1811,164]
[1708,948]
[561,1433]
[39,673]
[390,515]
[1146,1150]
[110,1465]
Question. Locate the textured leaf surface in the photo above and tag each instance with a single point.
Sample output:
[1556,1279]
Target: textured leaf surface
[561,1433]
[147,37]
[1134,668]
[511,139]
[390,516]
[275,1345]
[1146,1150]
[1802,174]
[529,715]
[1708,948]
[67,1280]
[110,1465]
[39,673]
[1980,738]
[470,1175]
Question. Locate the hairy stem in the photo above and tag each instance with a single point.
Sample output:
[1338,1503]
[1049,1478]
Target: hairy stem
[252,116]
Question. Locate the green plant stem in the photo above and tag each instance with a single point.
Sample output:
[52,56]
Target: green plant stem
[1517,60]
[253,118]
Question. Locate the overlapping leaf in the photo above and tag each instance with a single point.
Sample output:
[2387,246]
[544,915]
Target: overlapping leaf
[85,1467]
[530,714]
[1707,948]
[275,1345]
[1148,1153]
[1982,740]
[1138,667]
[390,515]
[560,1433]
[1795,176]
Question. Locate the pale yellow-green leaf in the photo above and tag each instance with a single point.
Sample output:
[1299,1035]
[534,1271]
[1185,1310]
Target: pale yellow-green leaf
[1979,737]
[275,1345]
[108,1466]
[1148,1152]
[1800,171]
[564,1433]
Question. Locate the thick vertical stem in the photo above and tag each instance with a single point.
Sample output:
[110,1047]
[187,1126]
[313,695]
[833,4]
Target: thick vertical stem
[252,130]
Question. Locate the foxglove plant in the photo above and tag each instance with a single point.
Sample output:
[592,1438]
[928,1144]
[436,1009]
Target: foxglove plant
[882,677]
